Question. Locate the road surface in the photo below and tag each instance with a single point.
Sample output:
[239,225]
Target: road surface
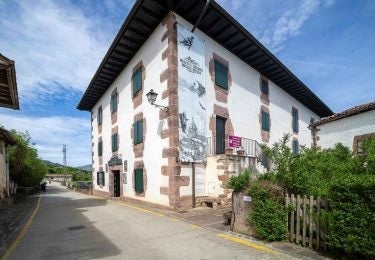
[70,225]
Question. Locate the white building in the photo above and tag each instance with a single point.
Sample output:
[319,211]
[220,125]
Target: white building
[349,127]
[8,99]
[212,83]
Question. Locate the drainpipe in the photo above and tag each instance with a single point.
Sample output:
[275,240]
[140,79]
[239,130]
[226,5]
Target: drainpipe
[201,15]
[193,183]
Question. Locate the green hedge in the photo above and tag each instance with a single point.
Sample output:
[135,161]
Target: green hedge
[268,216]
[351,229]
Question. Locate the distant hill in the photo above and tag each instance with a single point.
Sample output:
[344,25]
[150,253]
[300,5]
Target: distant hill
[85,167]
[52,164]
[82,168]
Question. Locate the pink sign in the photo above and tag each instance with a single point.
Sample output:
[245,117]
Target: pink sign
[234,141]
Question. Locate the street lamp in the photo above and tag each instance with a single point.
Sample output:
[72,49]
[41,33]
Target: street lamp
[151,97]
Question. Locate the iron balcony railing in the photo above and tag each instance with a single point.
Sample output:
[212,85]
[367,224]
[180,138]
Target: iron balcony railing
[219,144]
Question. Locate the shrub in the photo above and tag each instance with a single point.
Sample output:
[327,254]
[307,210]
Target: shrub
[240,182]
[268,216]
[352,220]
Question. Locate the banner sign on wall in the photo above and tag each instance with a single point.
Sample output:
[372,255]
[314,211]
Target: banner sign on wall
[191,96]
[234,141]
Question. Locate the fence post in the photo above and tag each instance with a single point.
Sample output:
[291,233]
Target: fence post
[311,221]
[291,234]
[287,214]
[304,221]
[317,222]
[298,219]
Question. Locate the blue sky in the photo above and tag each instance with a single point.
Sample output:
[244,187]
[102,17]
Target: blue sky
[58,45]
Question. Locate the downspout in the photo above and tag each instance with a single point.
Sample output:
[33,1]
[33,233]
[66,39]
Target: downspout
[201,16]
[193,183]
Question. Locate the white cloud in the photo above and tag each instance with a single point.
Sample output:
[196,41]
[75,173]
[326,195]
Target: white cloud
[274,22]
[50,133]
[53,45]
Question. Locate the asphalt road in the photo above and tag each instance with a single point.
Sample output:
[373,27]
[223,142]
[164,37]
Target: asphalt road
[70,225]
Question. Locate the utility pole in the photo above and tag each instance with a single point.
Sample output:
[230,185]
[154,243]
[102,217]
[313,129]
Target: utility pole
[64,155]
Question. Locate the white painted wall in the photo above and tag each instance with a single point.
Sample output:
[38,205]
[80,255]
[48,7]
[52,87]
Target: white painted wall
[151,56]
[244,105]
[344,130]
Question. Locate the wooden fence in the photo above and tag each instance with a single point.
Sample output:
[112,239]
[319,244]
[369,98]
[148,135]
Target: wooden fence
[307,222]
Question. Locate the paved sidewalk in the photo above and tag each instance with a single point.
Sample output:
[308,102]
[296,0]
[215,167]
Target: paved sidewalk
[12,220]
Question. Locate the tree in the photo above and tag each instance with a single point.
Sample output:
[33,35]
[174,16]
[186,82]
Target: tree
[25,167]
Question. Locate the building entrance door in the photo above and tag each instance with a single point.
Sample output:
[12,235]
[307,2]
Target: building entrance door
[220,135]
[116,183]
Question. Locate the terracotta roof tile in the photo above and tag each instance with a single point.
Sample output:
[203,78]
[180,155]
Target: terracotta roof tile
[346,113]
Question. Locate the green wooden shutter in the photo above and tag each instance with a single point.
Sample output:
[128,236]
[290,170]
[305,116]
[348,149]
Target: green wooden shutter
[114,143]
[264,87]
[103,178]
[100,115]
[100,148]
[265,121]
[138,132]
[295,147]
[221,75]
[138,180]
[295,121]
[97,178]
[137,81]
[114,103]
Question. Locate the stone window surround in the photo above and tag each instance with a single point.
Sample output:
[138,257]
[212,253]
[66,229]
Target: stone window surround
[265,135]
[295,109]
[221,94]
[114,114]
[140,165]
[114,130]
[264,98]
[138,148]
[137,97]
[100,139]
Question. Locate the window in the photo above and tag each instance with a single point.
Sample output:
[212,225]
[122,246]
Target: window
[138,180]
[295,120]
[114,142]
[100,148]
[100,178]
[114,102]
[295,147]
[265,121]
[221,75]
[138,132]
[137,80]
[264,86]
[100,115]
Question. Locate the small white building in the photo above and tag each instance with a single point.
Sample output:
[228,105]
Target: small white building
[216,84]
[349,127]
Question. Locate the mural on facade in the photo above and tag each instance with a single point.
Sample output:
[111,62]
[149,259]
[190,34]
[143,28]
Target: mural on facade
[192,96]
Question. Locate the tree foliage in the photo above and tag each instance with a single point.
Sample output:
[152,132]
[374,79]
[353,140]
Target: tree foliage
[25,167]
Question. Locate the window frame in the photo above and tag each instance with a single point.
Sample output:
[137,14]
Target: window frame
[99,117]
[295,120]
[100,178]
[114,102]
[138,132]
[137,79]
[266,125]
[219,65]
[295,147]
[100,148]
[138,177]
[115,145]
[264,88]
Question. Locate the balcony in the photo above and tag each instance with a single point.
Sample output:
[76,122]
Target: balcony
[220,145]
